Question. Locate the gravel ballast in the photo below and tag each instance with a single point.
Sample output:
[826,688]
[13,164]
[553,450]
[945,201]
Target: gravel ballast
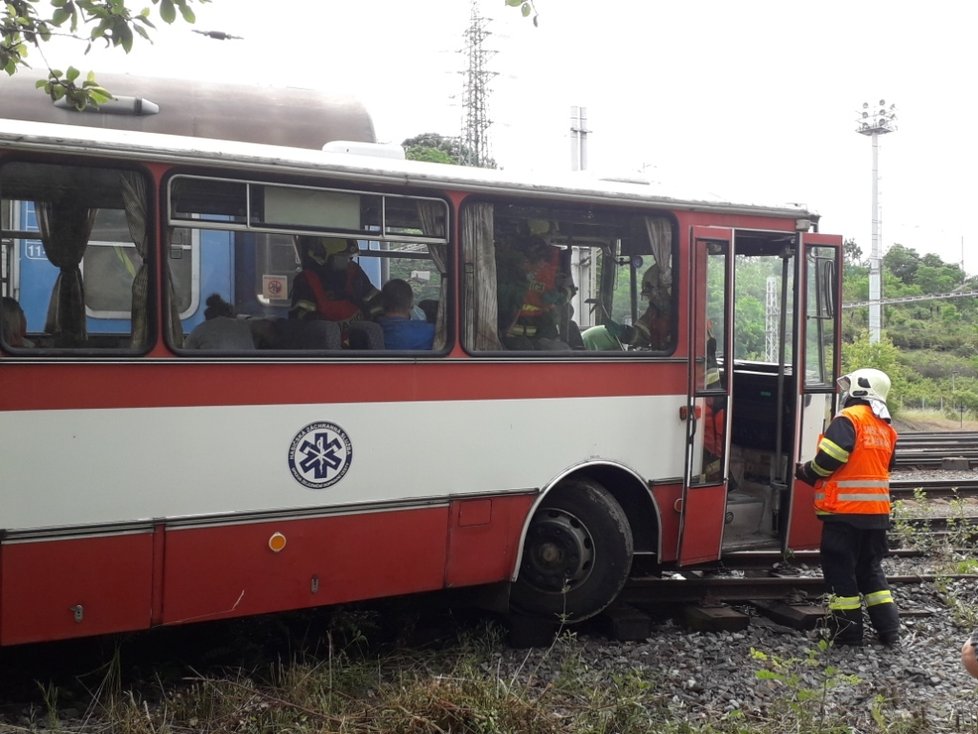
[708,677]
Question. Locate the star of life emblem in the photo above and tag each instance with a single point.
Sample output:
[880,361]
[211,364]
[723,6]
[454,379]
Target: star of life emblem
[320,454]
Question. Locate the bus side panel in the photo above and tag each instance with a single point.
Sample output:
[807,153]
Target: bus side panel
[668,498]
[483,539]
[232,571]
[54,590]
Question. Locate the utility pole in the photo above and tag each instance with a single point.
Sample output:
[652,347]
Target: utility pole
[873,123]
[475,93]
[578,138]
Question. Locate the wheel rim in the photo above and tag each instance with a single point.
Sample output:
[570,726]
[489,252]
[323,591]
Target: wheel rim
[559,552]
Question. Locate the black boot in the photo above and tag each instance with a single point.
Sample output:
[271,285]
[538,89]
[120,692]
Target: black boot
[886,621]
[845,627]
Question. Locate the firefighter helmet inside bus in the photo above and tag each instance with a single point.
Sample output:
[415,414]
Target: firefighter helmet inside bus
[320,249]
[866,384]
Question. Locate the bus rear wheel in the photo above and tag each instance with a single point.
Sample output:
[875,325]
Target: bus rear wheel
[576,556]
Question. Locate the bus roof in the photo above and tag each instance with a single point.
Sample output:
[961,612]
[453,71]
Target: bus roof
[256,158]
[301,118]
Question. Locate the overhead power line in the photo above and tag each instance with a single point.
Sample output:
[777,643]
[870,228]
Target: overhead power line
[911,299]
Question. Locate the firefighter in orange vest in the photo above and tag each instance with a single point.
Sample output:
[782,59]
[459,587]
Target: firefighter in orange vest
[332,285]
[851,476]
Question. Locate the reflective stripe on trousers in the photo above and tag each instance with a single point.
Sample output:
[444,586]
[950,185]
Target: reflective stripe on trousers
[844,603]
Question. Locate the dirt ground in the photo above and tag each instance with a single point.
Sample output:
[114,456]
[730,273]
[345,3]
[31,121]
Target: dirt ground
[915,421]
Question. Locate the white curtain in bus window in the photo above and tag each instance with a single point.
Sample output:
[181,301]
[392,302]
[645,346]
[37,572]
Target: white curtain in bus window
[481,305]
[432,215]
[78,241]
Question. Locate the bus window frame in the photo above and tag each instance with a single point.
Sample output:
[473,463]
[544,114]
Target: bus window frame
[368,234]
[362,233]
[625,211]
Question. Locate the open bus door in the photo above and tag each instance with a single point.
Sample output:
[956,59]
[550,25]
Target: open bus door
[818,362]
[707,417]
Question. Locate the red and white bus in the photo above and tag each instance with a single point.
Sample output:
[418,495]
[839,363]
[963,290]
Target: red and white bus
[620,381]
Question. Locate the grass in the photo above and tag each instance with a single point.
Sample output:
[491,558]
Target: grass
[465,681]
[931,420]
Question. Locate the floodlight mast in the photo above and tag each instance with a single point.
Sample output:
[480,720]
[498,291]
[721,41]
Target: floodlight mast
[874,122]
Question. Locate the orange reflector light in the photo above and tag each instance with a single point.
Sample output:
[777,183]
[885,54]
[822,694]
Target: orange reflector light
[277,542]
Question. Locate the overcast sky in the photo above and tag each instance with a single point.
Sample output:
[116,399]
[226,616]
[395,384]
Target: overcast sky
[754,100]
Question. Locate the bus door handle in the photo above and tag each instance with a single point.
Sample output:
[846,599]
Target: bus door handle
[692,416]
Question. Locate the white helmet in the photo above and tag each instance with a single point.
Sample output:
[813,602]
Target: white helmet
[866,384]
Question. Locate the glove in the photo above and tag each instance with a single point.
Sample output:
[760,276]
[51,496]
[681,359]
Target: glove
[804,474]
[615,329]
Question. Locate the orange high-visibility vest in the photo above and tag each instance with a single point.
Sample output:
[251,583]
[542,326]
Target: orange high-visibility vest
[542,277]
[862,485]
[333,307]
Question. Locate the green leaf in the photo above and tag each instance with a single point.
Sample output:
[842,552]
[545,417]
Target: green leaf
[167,12]
[126,34]
[59,16]
[514,3]
[99,95]
[72,74]
[526,9]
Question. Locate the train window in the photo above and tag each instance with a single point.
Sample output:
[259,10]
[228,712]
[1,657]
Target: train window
[302,254]
[77,240]
[573,279]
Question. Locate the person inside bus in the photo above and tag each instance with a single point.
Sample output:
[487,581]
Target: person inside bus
[331,285]
[539,298]
[652,330]
[714,414]
[221,329]
[401,331]
[14,324]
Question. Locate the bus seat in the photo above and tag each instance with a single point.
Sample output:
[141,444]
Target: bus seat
[430,308]
[365,335]
[312,334]
[574,338]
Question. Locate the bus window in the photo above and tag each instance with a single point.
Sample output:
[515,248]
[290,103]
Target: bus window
[78,237]
[820,318]
[247,245]
[560,278]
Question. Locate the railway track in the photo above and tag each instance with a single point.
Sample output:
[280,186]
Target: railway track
[693,588]
[907,489]
[929,449]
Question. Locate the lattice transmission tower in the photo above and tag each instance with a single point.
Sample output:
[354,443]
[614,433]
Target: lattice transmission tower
[772,319]
[475,93]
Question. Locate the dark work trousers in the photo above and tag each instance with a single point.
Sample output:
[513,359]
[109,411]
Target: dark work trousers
[852,566]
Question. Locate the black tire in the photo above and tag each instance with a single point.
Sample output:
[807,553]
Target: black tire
[576,556]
